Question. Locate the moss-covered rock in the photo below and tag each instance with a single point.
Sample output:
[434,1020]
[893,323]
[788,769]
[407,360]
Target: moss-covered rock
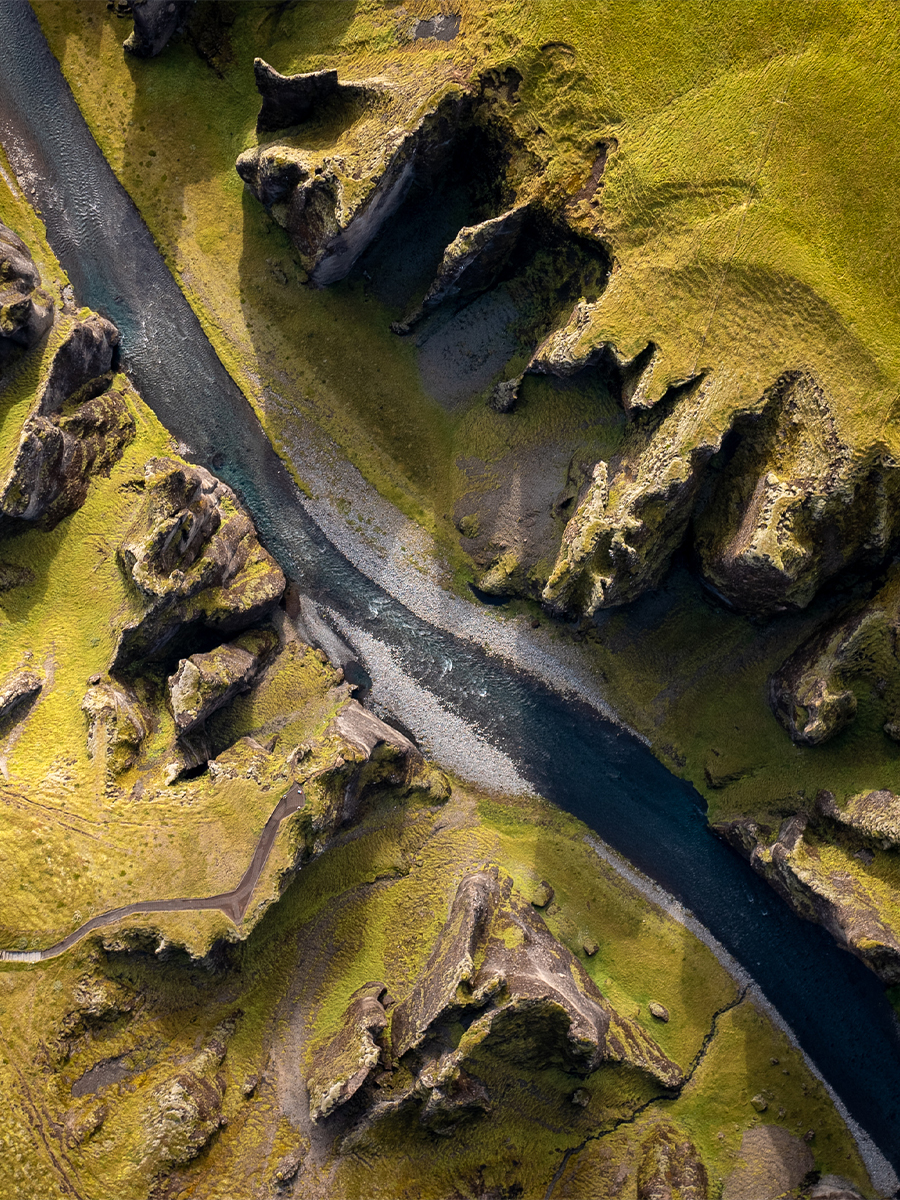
[194,558]
[16,689]
[117,724]
[207,682]
[154,23]
[26,310]
[670,1166]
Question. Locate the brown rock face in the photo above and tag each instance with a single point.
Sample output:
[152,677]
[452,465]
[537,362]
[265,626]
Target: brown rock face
[670,1167]
[194,558]
[795,505]
[26,311]
[811,693]
[15,689]
[352,1055]
[78,426]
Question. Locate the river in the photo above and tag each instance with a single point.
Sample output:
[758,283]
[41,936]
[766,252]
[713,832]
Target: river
[563,748]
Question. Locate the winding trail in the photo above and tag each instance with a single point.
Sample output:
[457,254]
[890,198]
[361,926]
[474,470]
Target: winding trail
[233,904]
[563,748]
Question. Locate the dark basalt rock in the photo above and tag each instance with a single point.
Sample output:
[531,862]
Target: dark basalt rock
[26,311]
[194,558]
[811,693]
[471,263]
[16,688]
[154,23]
[291,99]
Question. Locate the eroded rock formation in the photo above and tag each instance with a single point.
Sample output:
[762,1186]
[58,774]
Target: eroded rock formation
[117,724]
[194,558]
[78,425]
[497,983]
[17,688]
[26,311]
[204,683]
[154,23]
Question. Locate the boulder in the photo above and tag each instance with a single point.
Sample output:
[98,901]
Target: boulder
[194,558]
[154,23]
[204,683]
[26,311]
[78,426]
[117,724]
[795,505]
[16,689]
[334,204]
[670,1167]
[472,263]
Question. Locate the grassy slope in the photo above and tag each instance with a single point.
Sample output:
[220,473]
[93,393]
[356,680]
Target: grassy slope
[369,909]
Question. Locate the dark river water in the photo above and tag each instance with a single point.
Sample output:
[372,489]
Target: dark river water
[569,754]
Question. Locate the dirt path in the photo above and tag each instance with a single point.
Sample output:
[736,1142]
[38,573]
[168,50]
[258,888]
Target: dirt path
[234,903]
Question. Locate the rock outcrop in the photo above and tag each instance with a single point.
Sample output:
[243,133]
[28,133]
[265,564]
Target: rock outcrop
[185,1111]
[635,511]
[837,886]
[772,1164]
[333,205]
[154,23]
[26,311]
[194,558]
[352,1054]
[795,505]
[811,693]
[16,689]
[291,99]
[472,263]
[117,724]
[496,983]
[78,426]
[670,1167]
[204,683]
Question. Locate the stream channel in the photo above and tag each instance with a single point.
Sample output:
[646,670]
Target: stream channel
[567,752]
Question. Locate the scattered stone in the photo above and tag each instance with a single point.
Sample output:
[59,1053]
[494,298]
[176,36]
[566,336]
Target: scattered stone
[505,395]
[760,1103]
[659,1012]
[16,689]
[83,1121]
[287,1168]
[154,23]
[542,894]
[589,946]
[249,1086]
[581,1097]
[444,27]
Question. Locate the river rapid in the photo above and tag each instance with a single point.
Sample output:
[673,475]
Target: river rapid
[562,748]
